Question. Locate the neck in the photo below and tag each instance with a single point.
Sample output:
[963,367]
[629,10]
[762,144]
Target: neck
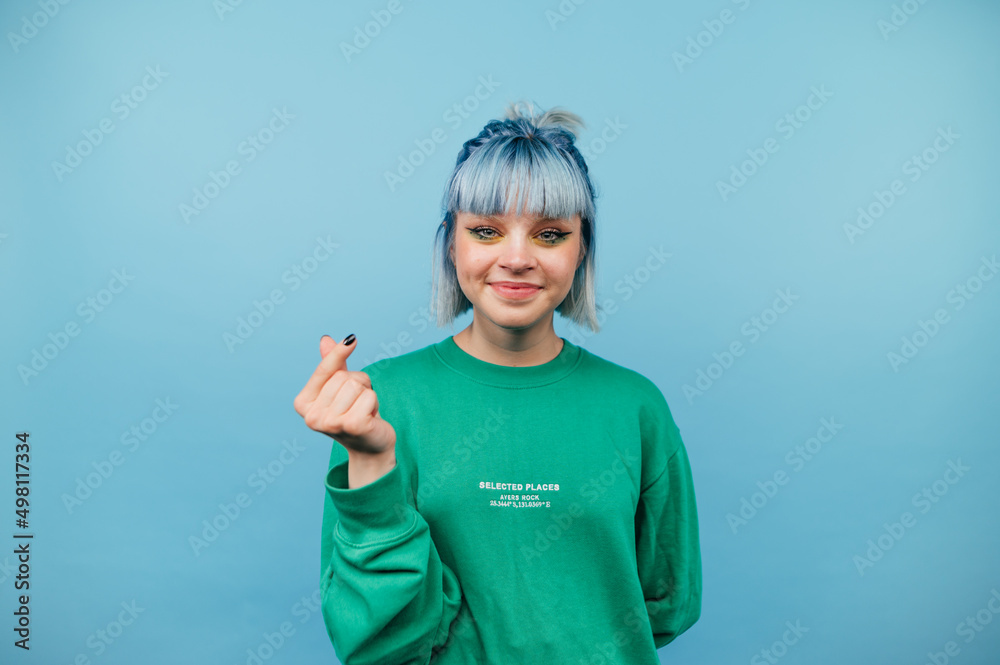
[535,346]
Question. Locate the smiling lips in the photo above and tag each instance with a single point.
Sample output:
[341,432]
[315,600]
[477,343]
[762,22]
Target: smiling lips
[515,290]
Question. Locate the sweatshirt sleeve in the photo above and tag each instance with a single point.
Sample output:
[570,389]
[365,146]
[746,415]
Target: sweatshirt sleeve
[386,595]
[667,545]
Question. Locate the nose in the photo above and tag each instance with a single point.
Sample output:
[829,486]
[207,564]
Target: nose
[516,254]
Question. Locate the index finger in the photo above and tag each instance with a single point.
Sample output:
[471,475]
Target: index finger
[335,360]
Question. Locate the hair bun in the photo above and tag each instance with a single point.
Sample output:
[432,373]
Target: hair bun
[554,117]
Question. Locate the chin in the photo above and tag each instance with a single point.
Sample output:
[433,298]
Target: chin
[515,323]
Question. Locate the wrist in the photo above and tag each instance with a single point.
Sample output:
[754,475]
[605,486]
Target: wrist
[364,468]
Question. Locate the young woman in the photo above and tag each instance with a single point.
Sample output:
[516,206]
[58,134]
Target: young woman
[505,496]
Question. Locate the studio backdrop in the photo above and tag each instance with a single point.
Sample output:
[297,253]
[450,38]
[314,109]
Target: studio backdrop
[797,241]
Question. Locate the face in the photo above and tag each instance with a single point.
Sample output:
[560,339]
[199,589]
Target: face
[540,254]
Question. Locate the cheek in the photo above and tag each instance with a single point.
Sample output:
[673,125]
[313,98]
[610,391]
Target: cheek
[471,259]
[565,265]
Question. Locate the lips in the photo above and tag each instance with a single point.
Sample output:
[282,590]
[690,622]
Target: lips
[515,290]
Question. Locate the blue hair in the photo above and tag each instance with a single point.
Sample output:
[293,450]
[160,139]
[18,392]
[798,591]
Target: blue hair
[529,163]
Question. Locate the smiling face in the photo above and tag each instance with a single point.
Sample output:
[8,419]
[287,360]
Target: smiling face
[493,255]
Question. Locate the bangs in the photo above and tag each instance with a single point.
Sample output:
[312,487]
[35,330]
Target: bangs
[522,175]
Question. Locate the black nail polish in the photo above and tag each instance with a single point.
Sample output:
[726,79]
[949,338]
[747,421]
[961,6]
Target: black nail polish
[348,340]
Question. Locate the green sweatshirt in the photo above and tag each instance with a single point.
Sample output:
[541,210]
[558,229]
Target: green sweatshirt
[539,514]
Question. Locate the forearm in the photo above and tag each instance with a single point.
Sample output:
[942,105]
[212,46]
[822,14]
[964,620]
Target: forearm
[387,597]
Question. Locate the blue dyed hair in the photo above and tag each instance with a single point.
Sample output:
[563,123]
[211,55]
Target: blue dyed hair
[536,153]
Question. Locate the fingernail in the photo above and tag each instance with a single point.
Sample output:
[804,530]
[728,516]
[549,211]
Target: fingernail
[348,340]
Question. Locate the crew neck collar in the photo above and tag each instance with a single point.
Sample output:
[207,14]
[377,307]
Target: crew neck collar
[452,355]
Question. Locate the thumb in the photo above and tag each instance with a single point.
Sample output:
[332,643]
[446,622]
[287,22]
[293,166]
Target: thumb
[326,345]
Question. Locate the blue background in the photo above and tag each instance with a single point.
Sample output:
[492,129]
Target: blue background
[683,126]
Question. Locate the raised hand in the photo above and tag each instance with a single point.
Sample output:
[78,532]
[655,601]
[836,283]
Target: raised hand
[342,404]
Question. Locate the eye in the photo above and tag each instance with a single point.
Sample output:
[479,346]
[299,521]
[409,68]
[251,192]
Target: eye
[479,232]
[554,236]
[548,236]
